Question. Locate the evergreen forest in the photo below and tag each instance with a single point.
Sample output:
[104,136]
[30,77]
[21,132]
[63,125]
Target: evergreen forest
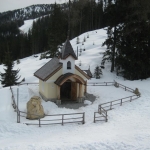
[126,22]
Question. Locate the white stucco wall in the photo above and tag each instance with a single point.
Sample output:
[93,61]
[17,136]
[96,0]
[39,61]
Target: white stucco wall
[79,74]
[55,76]
[48,90]
[65,70]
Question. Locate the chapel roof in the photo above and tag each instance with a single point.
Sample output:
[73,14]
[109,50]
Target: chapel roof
[49,69]
[68,50]
[88,72]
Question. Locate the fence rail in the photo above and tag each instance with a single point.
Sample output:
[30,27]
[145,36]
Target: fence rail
[125,88]
[100,83]
[109,105]
[27,83]
[58,119]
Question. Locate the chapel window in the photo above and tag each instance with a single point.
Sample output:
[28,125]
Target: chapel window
[68,65]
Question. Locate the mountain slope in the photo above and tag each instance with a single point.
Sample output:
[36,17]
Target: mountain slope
[27,13]
[128,126]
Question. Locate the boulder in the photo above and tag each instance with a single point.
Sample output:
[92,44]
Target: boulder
[136,91]
[116,85]
[34,108]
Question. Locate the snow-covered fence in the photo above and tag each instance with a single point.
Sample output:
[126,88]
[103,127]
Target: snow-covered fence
[100,116]
[125,88]
[100,83]
[57,119]
[103,108]
[110,105]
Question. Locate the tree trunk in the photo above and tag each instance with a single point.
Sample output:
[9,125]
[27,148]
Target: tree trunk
[113,51]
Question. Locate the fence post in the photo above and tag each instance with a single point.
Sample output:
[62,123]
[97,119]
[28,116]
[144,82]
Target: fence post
[62,120]
[94,116]
[18,116]
[130,98]
[83,118]
[100,109]
[121,103]
[39,123]
[106,117]
[111,106]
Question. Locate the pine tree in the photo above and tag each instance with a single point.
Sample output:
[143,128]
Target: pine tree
[10,76]
[133,48]
[97,72]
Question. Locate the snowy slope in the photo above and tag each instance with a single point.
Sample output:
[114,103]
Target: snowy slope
[128,126]
[27,25]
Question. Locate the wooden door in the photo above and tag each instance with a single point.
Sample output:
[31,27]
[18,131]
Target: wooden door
[73,91]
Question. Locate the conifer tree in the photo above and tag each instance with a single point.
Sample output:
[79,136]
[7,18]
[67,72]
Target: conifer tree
[10,77]
[97,72]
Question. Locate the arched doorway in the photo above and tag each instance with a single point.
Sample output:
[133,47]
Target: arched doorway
[70,87]
[65,90]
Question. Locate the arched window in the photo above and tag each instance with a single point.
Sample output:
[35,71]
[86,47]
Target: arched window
[68,65]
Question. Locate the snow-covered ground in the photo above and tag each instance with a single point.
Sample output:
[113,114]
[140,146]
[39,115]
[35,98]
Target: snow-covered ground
[128,126]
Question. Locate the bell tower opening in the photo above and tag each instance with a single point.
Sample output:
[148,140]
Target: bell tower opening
[68,65]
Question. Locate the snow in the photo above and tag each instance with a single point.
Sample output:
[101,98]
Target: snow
[27,25]
[128,126]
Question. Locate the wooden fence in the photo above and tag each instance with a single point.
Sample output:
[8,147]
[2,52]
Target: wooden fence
[125,87]
[57,119]
[103,108]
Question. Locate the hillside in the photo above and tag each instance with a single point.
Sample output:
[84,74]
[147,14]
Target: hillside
[26,13]
[127,127]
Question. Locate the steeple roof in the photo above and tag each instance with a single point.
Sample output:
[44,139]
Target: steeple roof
[68,50]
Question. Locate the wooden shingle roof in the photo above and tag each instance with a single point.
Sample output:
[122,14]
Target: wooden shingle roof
[49,69]
[68,50]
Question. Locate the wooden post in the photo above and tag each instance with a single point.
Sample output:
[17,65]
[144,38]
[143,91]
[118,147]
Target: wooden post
[86,87]
[19,116]
[106,117]
[100,110]
[121,103]
[80,90]
[39,123]
[83,118]
[62,120]
[130,98]
[58,92]
[111,106]
[94,116]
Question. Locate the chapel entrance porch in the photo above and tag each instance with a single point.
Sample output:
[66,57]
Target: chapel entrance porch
[70,88]
[68,92]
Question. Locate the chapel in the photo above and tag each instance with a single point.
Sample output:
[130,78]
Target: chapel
[60,79]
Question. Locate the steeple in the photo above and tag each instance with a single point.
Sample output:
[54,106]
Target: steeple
[67,50]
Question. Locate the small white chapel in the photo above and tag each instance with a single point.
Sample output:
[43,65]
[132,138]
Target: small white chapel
[60,79]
